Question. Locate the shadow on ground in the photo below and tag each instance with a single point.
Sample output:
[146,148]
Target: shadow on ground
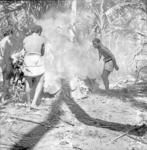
[54,116]
[130,94]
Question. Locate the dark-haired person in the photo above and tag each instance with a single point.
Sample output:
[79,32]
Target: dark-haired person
[33,64]
[10,45]
[109,61]
[6,45]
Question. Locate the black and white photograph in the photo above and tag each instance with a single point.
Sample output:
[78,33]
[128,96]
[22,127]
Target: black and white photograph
[73,74]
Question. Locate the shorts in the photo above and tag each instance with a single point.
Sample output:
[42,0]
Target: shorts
[33,65]
[109,66]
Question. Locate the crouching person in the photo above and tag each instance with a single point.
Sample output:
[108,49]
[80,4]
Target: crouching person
[34,65]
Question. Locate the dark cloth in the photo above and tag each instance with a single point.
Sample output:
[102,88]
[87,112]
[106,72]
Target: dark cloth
[16,45]
[107,60]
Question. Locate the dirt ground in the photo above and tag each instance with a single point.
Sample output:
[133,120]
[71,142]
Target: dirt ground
[101,121]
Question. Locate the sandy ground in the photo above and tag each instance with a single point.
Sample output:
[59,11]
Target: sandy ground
[101,121]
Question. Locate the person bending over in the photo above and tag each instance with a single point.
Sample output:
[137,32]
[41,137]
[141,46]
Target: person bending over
[109,61]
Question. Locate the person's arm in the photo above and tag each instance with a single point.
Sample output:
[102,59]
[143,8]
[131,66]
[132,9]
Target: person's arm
[42,49]
[100,55]
[24,41]
[108,52]
[43,46]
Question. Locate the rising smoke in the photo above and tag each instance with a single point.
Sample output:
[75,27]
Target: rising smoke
[63,57]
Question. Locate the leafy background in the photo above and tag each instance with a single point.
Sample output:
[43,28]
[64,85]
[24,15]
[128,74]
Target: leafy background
[120,24]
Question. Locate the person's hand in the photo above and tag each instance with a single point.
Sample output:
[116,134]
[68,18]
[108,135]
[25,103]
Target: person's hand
[116,67]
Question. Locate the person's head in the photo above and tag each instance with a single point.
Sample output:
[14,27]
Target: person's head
[96,42]
[37,29]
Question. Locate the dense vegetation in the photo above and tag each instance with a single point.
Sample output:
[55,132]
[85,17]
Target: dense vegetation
[115,21]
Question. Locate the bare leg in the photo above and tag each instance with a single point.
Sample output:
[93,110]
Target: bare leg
[6,85]
[105,76]
[7,75]
[91,83]
[5,90]
[28,86]
[39,85]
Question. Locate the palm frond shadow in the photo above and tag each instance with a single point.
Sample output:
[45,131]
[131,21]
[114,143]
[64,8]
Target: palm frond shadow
[83,117]
[80,114]
[39,131]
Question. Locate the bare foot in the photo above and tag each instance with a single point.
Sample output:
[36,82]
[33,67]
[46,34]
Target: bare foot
[34,106]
